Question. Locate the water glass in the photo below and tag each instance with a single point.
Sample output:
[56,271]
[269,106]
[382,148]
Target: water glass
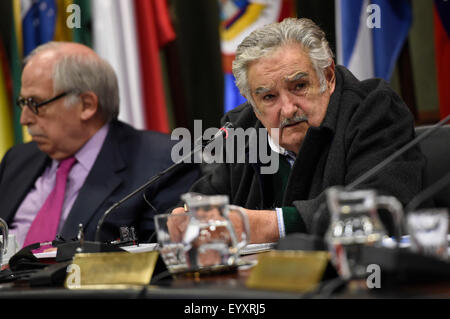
[428,229]
[170,229]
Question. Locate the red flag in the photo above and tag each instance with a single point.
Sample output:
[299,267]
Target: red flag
[154,30]
[442,51]
[6,74]
[287,10]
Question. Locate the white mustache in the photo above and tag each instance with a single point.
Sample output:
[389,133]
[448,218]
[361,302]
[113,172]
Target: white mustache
[293,120]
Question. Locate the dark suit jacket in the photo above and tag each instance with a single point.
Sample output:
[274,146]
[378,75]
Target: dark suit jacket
[127,160]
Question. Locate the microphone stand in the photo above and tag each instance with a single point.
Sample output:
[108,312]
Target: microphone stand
[428,192]
[221,132]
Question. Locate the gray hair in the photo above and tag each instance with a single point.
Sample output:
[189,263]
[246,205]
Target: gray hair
[265,40]
[81,73]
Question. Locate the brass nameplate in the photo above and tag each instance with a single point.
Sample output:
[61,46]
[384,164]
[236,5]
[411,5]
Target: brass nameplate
[118,269]
[288,270]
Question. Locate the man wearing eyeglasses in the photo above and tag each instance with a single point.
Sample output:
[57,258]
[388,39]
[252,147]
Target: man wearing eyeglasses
[81,159]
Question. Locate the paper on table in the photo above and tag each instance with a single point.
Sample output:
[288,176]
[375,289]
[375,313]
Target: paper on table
[46,254]
[132,249]
[140,248]
[257,248]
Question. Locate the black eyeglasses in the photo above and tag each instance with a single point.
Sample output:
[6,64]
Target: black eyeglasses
[33,105]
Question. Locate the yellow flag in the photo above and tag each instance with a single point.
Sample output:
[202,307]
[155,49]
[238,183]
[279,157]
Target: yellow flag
[6,124]
[16,7]
[62,32]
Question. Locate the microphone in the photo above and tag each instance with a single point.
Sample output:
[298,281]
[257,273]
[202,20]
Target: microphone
[223,131]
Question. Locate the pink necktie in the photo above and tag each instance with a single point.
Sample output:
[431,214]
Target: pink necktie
[45,224]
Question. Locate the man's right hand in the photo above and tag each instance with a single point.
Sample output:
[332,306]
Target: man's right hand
[263,225]
[178,224]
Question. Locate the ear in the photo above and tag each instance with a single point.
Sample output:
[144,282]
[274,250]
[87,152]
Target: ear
[330,77]
[89,101]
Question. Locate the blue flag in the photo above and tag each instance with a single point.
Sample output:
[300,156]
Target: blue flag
[371,34]
[38,24]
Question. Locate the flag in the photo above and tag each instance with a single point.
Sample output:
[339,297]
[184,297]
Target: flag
[62,32]
[38,23]
[77,13]
[115,40]
[16,45]
[129,35]
[442,52]
[84,33]
[371,34]
[238,19]
[154,31]
[6,128]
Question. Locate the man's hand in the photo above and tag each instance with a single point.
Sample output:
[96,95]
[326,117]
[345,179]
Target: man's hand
[177,224]
[263,225]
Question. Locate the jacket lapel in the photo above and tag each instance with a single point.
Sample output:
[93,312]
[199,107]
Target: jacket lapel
[102,180]
[309,162]
[19,186]
[261,195]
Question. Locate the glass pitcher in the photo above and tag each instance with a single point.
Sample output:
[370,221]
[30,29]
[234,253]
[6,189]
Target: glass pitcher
[355,223]
[210,238]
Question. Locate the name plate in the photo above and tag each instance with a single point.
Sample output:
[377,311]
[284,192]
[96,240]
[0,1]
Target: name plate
[288,270]
[110,269]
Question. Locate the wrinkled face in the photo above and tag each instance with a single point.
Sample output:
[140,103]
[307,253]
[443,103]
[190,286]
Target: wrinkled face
[286,90]
[57,129]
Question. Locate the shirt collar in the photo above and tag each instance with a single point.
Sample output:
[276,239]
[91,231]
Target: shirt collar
[87,155]
[275,147]
[279,149]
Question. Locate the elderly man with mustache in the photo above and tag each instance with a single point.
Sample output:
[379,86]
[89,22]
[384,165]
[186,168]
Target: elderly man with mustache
[330,129]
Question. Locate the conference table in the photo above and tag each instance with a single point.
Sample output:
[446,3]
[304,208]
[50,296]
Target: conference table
[231,285]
